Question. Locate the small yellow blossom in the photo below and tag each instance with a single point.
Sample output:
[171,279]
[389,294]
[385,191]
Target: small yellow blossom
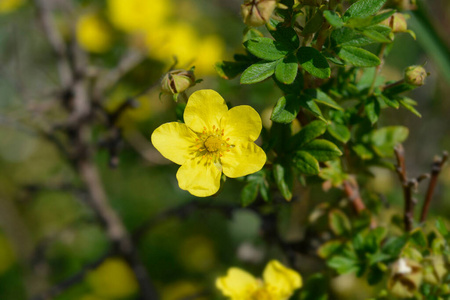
[93,34]
[279,283]
[7,6]
[212,139]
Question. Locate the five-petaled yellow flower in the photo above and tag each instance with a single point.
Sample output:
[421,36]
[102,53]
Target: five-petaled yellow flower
[279,283]
[212,139]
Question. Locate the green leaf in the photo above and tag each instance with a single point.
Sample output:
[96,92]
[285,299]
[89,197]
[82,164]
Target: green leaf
[314,23]
[286,109]
[358,57]
[372,109]
[321,97]
[363,152]
[409,105]
[441,227]
[322,150]
[394,245]
[333,18]
[230,69]
[266,48]
[363,8]
[286,70]
[306,163]
[330,248]
[251,33]
[313,62]
[284,179]
[343,264]
[389,102]
[339,222]
[308,133]
[376,36]
[286,36]
[385,139]
[310,105]
[382,16]
[339,132]
[258,72]
[349,37]
[249,193]
[418,238]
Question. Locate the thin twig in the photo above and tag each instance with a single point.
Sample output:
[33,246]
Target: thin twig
[435,171]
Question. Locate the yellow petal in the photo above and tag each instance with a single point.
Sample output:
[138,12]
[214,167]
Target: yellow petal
[284,280]
[175,141]
[241,122]
[205,108]
[199,176]
[243,159]
[237,284]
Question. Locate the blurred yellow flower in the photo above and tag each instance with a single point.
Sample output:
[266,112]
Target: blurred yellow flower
[138,15]
[279,283]
[213,139]
[113,279]
[7,6]
[93,34]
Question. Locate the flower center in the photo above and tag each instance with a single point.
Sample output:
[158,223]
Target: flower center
[213,143]
[262,294]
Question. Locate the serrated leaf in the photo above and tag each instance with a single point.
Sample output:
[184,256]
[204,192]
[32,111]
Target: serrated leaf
[358,57]
[266,48]
[363,8]
[321,97]
[313,62]
[306,163]
[339,222]
[284,179]
[330,248]
[258,72]
[372,109]
[286,35]
[339,132]
[286,109]
[249,193]
[230,69]
[333,18]
[308,133]
[322,150]
[286,70]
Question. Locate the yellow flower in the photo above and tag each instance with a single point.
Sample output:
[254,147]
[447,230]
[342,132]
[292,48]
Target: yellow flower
[93,34]
[279,283]
[7,6]
[212,139]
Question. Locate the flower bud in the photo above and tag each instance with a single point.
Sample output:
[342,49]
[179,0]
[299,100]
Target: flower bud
[406,278]
[397,22]
[415,75]
[177,81]
[257,12]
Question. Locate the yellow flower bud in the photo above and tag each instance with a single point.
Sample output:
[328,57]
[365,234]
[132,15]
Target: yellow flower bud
[177,81]
[415,75]
[397,22]
[257,12]
[406,278]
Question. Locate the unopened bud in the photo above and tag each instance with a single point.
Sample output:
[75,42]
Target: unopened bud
[257,12]
[177,81]
[397,22]
[415,75]
[406,278]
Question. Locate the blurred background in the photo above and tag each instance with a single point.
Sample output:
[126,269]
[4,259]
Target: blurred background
[48,232]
